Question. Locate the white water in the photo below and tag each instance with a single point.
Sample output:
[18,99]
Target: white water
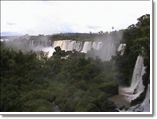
[69,45]
[50,51]
[146,103]
[136,87]
[144,106]
[121,49]
[87,46]
[104,48]
[107,50]
[97,45]
[128,94]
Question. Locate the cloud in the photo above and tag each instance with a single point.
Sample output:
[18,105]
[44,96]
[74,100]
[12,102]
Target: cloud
[47,17]
[11,23]
[93,27]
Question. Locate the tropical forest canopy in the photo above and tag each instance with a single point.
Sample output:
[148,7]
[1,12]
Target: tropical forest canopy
[68,81]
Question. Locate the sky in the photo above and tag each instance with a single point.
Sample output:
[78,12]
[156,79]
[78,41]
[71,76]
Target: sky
[49,17]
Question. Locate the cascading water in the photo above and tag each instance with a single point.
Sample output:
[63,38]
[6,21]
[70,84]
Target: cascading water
[68,45]
[144,106]
[128,94]
[87,46]
[78,46]
[136,87]
[121,49]
[97,45]
[49,50]
[104,48]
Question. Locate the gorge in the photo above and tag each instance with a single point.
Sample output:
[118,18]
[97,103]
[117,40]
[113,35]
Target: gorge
[78,72]
[105,49]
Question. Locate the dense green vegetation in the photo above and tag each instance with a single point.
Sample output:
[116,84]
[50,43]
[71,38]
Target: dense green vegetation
[69,81]
[137,39]
[56,84]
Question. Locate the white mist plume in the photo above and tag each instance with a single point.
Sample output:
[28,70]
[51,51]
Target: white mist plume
[107,46]
[27,43]
[103,46]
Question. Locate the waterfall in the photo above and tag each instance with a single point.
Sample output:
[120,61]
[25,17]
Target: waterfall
[32,43]
[68,45]
[97,45]
[146,103]
[87,46]
[104,48]
[107,49]
[49,50]
[144,106]
[78,45]
[121,49]
[58,43]
[128,94]
[136,87]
